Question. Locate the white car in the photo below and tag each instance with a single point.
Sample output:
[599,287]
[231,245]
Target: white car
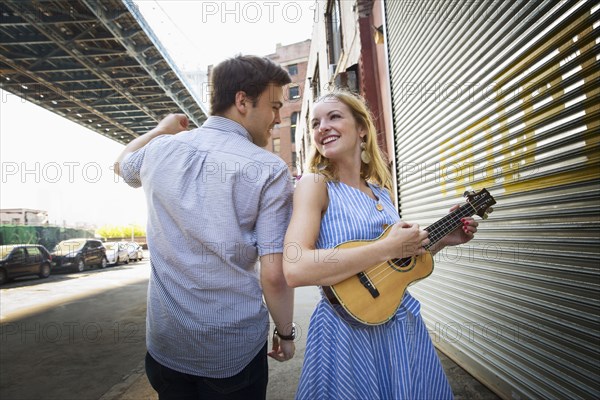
[116,253]
[135,251]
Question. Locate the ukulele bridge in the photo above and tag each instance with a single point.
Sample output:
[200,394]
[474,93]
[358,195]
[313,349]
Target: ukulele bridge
[366,282]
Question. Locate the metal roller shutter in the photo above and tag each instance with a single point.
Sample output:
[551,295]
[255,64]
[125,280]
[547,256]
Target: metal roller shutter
[503,95]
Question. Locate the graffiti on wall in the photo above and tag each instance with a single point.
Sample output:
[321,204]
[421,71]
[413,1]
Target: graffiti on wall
[542,130]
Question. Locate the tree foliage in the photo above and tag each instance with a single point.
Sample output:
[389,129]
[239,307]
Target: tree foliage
[120,231]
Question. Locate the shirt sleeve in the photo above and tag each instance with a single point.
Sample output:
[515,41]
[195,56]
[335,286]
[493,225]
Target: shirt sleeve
[131,167]
[275,212]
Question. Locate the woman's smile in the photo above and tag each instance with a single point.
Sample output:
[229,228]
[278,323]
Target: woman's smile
[329,139]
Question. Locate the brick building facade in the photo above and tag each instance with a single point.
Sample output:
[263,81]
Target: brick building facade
[294,58]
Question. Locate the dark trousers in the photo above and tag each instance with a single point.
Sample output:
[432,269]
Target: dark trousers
[250,383]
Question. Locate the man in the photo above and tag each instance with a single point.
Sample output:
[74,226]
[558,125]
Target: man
[216,202]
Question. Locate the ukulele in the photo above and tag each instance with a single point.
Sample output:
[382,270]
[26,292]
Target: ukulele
[373,296]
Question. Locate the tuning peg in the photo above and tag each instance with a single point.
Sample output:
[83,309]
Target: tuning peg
[468,193]
[489,210]
[485,216]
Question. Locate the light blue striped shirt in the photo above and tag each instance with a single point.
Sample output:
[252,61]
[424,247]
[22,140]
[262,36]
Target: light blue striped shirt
[216,202]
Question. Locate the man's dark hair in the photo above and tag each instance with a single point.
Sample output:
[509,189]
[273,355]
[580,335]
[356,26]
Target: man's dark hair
[250,74]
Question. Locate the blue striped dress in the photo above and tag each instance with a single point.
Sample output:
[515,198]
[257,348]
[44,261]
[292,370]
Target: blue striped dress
[395,360]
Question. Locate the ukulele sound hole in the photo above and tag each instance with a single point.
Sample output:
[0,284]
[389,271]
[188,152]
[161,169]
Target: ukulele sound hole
[402,264]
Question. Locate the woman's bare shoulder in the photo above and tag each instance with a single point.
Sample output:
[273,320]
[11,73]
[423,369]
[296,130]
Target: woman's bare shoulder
[311,179]
[312,188]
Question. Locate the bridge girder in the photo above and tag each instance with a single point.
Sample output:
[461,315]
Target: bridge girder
[96,63]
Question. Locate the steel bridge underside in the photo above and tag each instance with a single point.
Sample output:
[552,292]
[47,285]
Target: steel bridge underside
[96,63]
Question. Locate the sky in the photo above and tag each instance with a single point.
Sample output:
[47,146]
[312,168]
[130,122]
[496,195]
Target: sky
[50,163]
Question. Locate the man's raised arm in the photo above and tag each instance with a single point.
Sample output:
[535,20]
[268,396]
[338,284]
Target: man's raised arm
[170,125]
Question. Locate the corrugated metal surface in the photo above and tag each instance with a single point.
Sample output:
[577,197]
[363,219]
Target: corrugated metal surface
[503,95]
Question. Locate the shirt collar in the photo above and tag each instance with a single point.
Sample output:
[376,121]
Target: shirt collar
[226,125]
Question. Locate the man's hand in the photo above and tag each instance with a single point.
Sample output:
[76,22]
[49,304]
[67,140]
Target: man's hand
[173,124]
[282,350]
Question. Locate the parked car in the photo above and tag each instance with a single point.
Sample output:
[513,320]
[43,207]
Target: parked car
[116,252]
[24,259]
[76,254]
[135,251]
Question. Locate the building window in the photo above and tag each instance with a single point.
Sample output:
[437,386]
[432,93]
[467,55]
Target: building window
[276,146]
[316,84]
[348,79]
[293,123]
[334,31]
[293,69]
[294,92]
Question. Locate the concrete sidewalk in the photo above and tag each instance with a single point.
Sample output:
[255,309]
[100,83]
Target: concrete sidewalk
[283,377]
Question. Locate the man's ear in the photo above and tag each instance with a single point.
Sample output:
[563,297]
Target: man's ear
[241,101]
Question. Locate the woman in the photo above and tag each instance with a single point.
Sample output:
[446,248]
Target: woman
[347,197]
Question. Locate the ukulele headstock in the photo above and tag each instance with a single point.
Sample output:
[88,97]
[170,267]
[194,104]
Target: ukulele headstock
[481,201]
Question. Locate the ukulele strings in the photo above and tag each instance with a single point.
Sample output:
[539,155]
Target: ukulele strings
[383,266]
[445,229]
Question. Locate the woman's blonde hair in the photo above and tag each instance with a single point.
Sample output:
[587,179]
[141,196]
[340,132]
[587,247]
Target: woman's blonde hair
[376,171]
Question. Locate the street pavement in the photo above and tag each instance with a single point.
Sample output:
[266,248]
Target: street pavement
[283,377]
[72,336]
